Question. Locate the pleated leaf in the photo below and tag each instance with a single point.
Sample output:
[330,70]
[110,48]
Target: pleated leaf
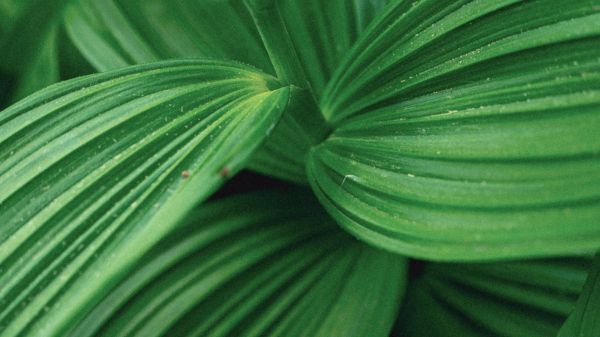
[583,321]
[115,33]
[94,171]
[515,299]
[306,37]
[468,130]
[263,264]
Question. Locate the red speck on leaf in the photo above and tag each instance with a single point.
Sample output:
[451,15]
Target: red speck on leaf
[185,174]
[224,172]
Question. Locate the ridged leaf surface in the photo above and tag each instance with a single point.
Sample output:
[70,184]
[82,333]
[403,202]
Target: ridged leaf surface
[94,171]
[468,130]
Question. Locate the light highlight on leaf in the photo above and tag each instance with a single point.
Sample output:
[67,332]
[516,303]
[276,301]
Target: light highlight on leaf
[91,175]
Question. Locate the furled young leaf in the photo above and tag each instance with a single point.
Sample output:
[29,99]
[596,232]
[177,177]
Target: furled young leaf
[468,130]
[263,264]
[584,322]
[515,299]
[94,171]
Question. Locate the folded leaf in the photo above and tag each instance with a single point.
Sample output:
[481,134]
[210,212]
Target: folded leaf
[311,37]
[116,33]
[515,299]
[583,322]
[263,264]
[468,130]
[94,171]
[285,152]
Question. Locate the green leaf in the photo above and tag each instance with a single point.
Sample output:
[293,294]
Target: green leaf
[323,32]
[114,33]
[306,40]
[262,264]
[468,131]
[94,171]
[27,30]
[42,70]
[514,299]
[583,322]
[285,152]
[30,46]
[8,9]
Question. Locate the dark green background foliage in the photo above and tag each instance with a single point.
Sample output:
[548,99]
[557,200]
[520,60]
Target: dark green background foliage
[329,168]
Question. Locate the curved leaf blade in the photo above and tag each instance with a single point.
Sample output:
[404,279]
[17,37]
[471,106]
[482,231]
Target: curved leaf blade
[317,34]
[413,50]
[488,151]
[514,299]
[112,34]
[262,264]
[96,170]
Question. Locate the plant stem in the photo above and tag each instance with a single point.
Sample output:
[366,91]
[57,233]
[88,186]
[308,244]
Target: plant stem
[278,42]
[288,68]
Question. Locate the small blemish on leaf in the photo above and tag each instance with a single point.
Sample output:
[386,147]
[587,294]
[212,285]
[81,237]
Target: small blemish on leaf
[185,174]
[224,172]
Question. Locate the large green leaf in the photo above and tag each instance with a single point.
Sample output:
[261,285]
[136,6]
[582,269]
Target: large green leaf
[584,322]
[263,264]
[468,130]
[515,299]
[116,33]
[95,170]
[306,38]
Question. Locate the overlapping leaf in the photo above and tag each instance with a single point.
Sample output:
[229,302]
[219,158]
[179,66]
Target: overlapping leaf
[264,264]
[314,34]
[468,130]
[583,321]
[114,33]
[96,170]
[30,46]
[516,299]
[117,33]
